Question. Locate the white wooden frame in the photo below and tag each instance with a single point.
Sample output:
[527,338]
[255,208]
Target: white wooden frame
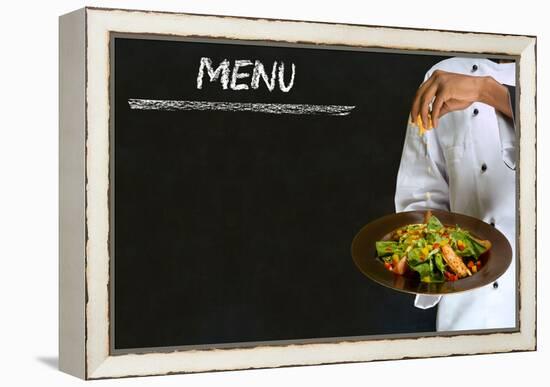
[84,184]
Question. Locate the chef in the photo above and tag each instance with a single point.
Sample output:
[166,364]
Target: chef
[466,164]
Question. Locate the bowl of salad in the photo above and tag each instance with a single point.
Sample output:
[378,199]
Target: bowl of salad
[431,252]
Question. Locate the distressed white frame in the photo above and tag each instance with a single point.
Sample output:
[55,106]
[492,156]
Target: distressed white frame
[99,23]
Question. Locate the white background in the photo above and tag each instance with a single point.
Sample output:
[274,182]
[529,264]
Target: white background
[29,179]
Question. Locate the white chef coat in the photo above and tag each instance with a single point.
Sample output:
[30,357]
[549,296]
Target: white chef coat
[467,165]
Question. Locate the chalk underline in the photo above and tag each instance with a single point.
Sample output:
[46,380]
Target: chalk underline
[270,108]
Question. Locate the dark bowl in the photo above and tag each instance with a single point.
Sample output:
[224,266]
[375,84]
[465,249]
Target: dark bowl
[495,261]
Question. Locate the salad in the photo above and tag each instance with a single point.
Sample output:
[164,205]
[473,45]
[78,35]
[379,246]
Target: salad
[437,252]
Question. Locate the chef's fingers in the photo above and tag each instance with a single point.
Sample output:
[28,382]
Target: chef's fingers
[415,109]
[425,102]
[454,104]
[444,110]
[437,105]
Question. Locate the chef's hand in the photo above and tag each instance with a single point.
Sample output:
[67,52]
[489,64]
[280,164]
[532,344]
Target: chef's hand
[456,92]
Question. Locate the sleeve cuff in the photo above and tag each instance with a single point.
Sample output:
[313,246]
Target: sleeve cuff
[507,131]
[425,302]
[507,140]
[512,94]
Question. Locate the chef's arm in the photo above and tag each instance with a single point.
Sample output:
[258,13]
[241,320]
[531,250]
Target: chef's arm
[496,95]
[422,183]
[507,131]
[512,94]
[446,92]
[502,97]
[421,177]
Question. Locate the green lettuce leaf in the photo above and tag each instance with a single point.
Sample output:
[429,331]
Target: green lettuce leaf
[434,224]
[427,274]
[472,248]
[433,237]
[414,257]
[439,262]
[384,248]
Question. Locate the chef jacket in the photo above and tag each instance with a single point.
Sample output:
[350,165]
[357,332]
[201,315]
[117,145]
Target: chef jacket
[467,165]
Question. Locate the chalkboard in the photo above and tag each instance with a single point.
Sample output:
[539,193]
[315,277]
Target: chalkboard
[240,174]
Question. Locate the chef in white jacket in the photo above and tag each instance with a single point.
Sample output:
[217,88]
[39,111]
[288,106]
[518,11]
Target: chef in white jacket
[466,164]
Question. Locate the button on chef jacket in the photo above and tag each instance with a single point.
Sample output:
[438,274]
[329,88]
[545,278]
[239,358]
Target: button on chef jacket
[467,165]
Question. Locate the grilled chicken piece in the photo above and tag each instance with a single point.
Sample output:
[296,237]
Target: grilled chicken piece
[455,262]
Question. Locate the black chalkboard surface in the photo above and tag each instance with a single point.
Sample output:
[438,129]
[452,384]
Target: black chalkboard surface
[235,225]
